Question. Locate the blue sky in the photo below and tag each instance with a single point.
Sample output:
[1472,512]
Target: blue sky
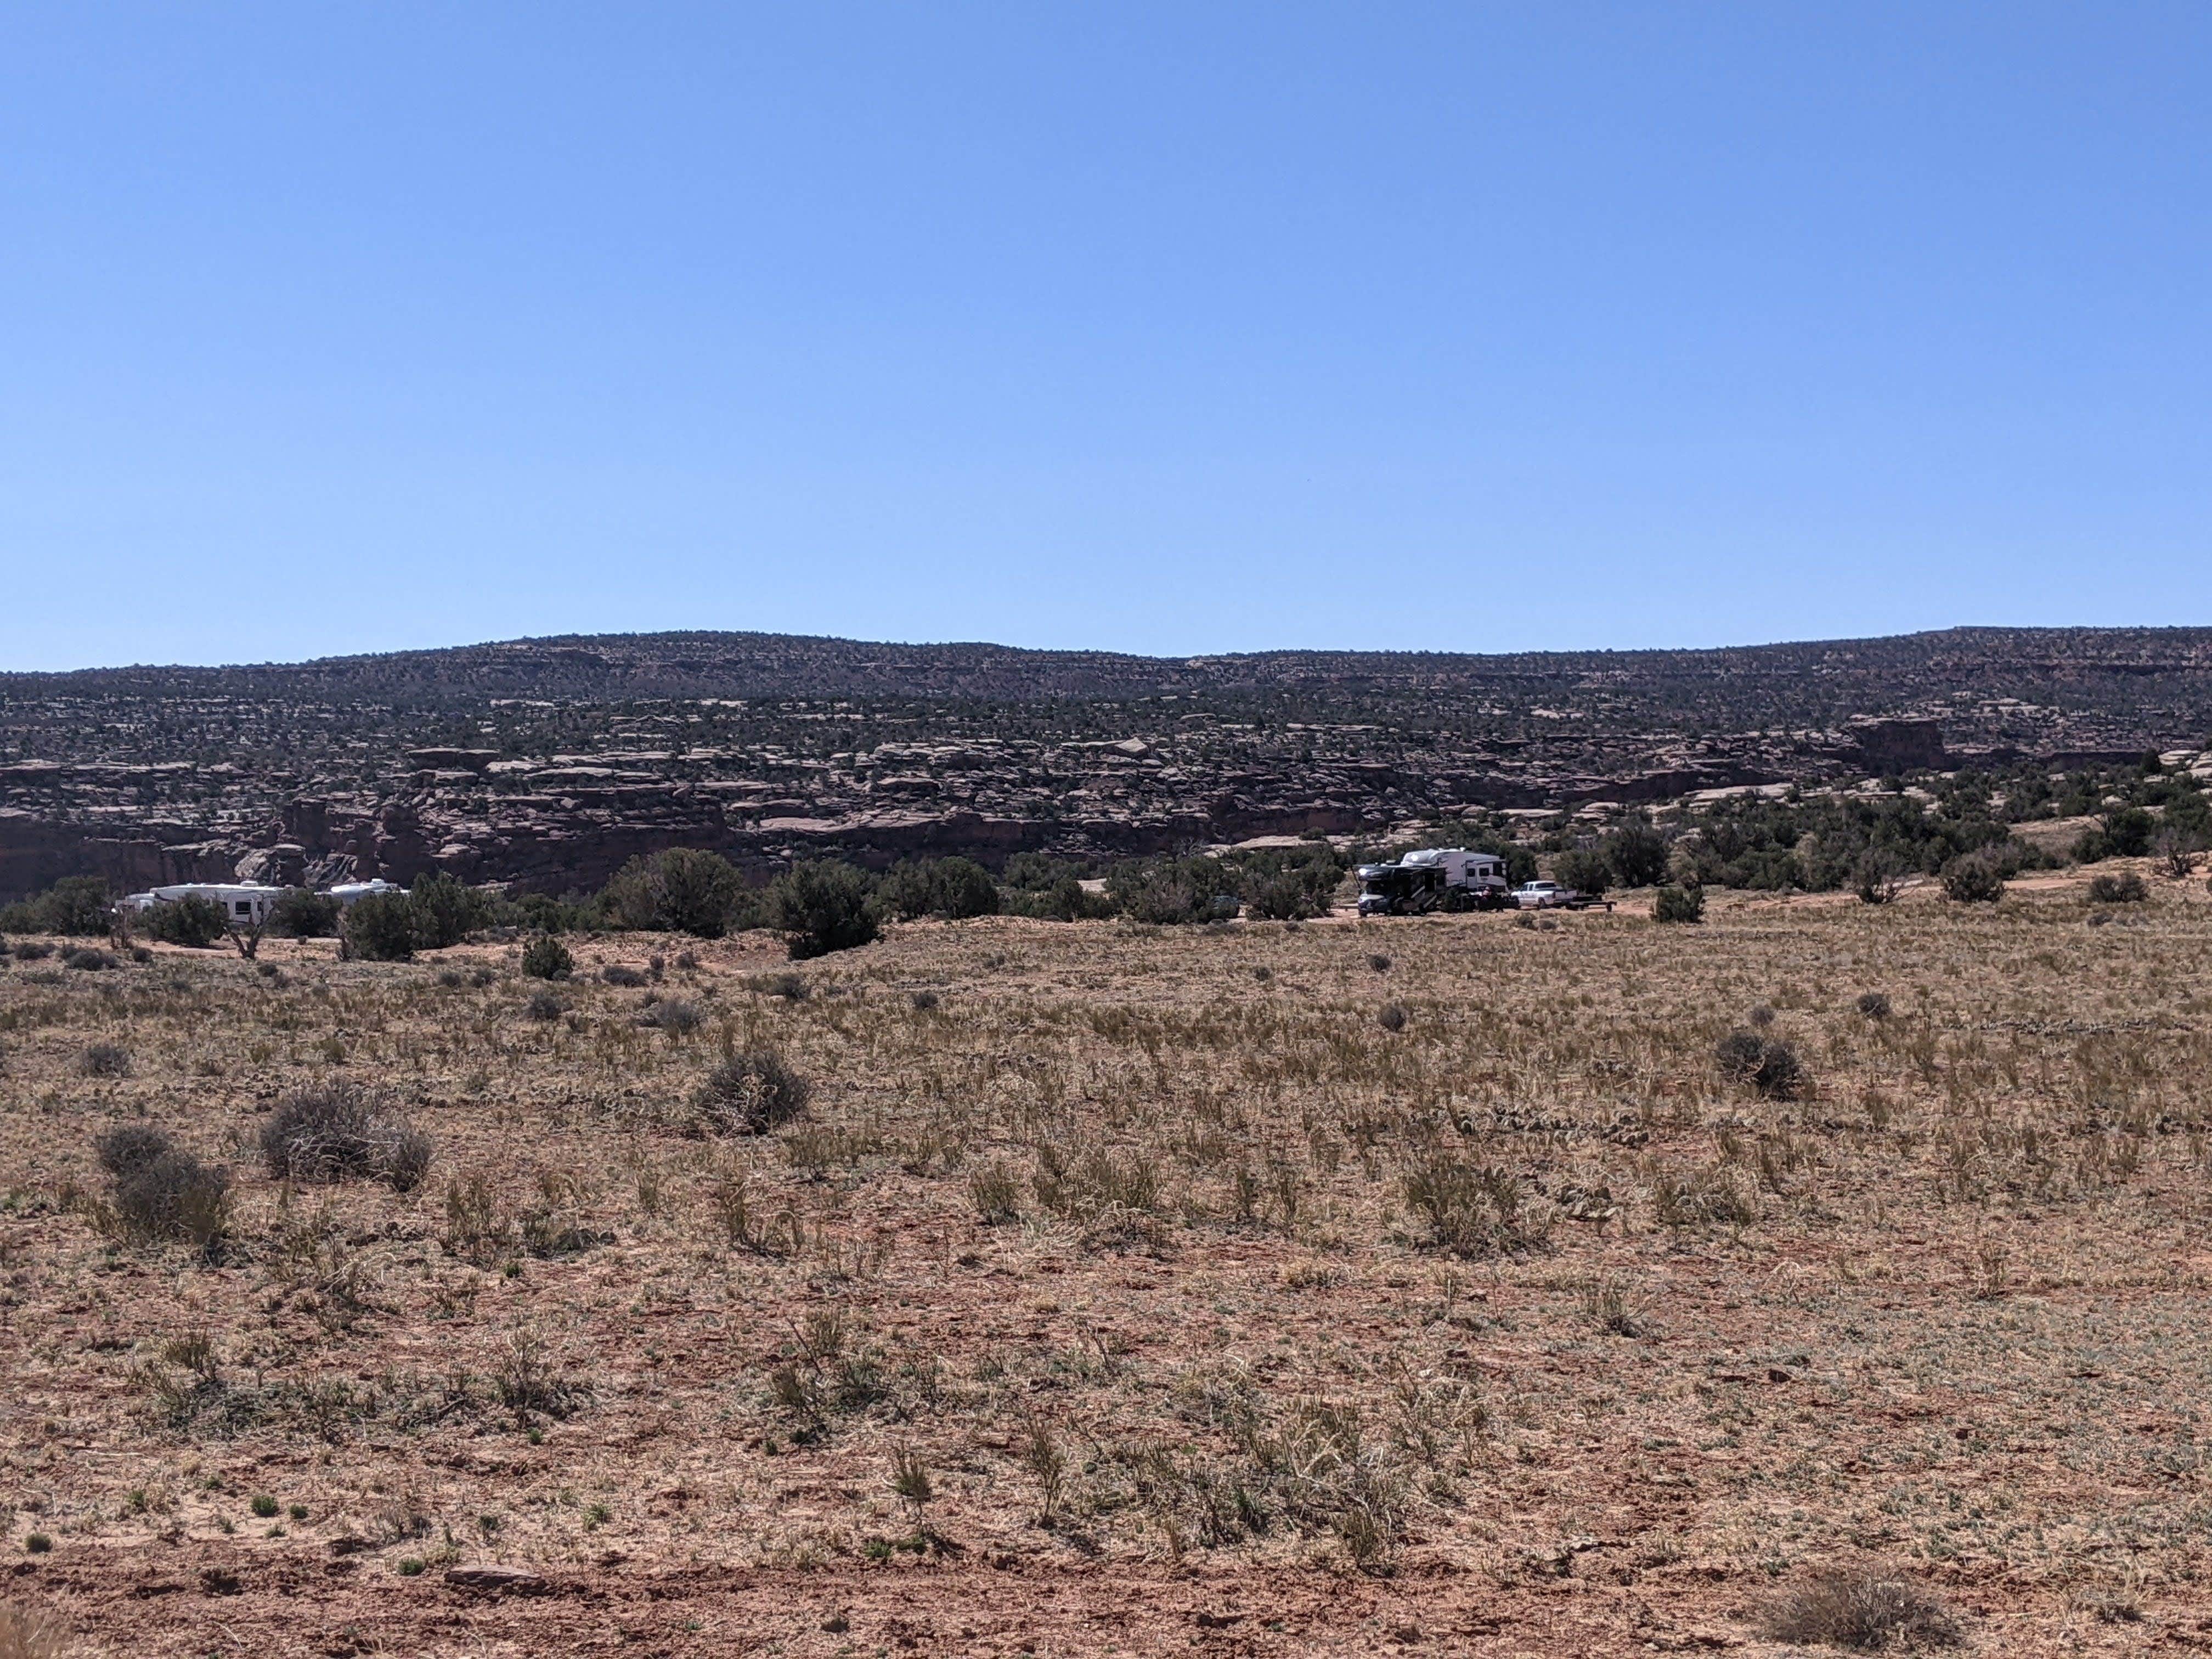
[1169,328]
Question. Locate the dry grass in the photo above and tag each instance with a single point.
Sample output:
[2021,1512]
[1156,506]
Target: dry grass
[1866,1612]
[1523,1326]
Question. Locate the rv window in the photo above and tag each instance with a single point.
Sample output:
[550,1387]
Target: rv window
[245,907]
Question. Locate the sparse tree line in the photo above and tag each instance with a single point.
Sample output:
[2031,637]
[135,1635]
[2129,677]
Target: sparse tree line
[1959,829]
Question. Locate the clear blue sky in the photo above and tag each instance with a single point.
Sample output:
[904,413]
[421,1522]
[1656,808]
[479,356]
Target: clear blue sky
[1168,328]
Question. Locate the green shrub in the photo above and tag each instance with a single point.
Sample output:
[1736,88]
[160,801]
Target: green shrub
[1877,876]
[680,891]
[546,957]
[821,907]
[302,915]
[192,921]
[1637,853]
[1584,870]
[1066,900]
[1974,878]
[75,905]
[2128,831]
[949,887]
[380,928]
[1171,891]
[447,911]
[1679,904]
[1863,1610]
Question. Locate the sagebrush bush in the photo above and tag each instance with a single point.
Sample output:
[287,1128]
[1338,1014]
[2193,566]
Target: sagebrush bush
[1679,904]
[547,957]
[1392,1016]
[750,1093]
[629,979]
[128,1146]
[675,1015]
[1874,1004]
[544,1006]
[335,1131]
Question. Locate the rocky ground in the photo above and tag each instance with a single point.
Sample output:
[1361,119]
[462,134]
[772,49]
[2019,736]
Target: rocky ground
[547,764]
[1403,1287]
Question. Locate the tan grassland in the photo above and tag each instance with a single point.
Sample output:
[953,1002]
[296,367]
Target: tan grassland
[1138,1291]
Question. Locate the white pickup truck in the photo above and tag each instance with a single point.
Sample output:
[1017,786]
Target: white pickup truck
[1549,896]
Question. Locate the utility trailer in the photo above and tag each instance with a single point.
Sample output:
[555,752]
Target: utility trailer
[1434,879]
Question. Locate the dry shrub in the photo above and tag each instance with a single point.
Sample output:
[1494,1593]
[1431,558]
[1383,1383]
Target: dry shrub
[1874,1004]
[105,1059]
[1114,1198]
[1472,1209]
[162,1192]
[1392,1018]
[1768,1064]
[1866,1611]
[2126,888]
[629,979]
[750,1093]
[1973,878]
[676,1016]
[31,1633]
[334,1132]
[526,1383]
[995,1194]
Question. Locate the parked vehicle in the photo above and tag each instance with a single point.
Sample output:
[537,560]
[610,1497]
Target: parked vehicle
[243,903]
[1549,896]
[1434,879]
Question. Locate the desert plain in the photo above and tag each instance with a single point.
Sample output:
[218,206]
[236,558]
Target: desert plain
[1424,1285]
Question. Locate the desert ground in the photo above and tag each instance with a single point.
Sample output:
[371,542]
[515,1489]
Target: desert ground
[1422,1286]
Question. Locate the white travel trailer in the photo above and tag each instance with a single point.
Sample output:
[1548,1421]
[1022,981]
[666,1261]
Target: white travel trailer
[348,893]
[245,903]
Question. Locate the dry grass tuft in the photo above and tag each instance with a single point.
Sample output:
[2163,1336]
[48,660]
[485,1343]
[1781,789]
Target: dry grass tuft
[1866,1611]
[31,1633]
